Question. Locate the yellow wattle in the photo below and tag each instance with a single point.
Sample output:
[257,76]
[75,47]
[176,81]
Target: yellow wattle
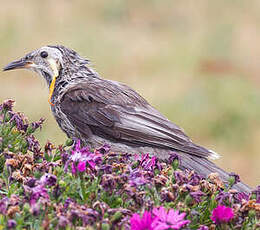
[51,90]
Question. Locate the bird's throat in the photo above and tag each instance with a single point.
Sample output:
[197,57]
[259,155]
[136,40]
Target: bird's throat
[51,90]
[54,67]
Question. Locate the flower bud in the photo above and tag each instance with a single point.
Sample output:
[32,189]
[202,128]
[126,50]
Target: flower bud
[116,216]
[105,226]
[69,142]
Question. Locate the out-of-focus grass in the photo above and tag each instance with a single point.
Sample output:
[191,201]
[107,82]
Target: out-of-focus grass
[196,61]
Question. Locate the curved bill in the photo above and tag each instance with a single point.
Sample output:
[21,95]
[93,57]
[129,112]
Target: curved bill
[20,64]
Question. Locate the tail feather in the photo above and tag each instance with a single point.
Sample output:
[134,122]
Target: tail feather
[204,167]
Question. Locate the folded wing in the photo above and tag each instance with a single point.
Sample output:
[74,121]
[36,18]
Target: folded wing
[115,111]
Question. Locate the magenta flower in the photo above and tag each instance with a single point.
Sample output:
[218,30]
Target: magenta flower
[142,223]
[103,149]
[168,219]
[37,192]
[4,205]
[222,214]
[11,224]
[147,162]
[48,179]
[256,192]
[81,166]
[81,157]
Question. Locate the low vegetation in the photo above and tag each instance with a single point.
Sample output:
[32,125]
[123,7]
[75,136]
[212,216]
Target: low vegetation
[74,187]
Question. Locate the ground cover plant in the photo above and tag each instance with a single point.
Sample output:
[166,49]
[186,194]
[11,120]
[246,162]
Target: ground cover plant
[74,187]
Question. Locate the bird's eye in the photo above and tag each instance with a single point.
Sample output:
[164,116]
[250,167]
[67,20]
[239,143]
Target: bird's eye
[44,54]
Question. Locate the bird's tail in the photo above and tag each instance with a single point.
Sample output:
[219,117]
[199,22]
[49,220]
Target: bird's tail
[204,167]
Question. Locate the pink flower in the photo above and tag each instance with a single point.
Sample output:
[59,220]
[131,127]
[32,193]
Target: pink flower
[222,214]
[171,219]
[73,169]
[142,223]
[81,157]
[37,192]
[147,162]
[81,166]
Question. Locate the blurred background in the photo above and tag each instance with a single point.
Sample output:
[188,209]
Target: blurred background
[198,62]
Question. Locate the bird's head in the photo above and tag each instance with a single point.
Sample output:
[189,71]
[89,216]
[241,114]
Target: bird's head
[49,62]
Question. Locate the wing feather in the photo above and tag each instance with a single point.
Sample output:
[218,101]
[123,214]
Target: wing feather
[116,110]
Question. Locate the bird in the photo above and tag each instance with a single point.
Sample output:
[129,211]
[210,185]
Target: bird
[99,111]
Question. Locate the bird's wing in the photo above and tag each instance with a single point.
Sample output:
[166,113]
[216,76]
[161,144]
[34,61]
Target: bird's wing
[117,112]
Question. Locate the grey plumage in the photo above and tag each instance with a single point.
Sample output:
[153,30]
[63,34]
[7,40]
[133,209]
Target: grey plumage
[99,111]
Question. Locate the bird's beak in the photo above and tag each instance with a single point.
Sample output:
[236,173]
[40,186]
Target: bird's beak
[20,64]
